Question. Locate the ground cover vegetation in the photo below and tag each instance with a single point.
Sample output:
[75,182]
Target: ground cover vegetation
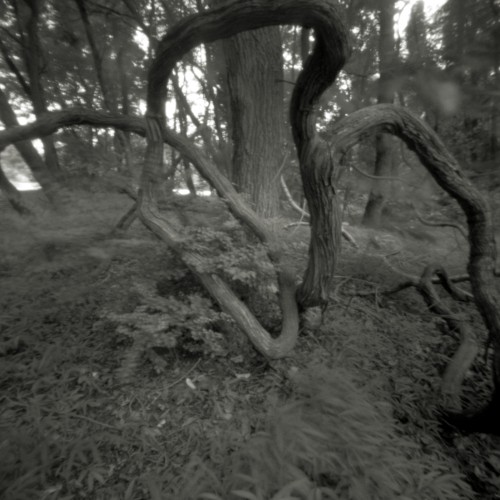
[156,345]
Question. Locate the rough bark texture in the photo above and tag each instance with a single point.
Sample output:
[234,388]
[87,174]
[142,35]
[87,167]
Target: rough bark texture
[384,143]
[254,72]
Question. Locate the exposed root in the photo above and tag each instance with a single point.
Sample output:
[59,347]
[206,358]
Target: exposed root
[463,358]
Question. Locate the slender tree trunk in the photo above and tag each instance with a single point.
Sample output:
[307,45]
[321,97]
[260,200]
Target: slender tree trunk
[121,145]
[30,155]
[384,142]
[254,64]
[125,98]
[215,77]
[188,178]
[33,57]
[12,194]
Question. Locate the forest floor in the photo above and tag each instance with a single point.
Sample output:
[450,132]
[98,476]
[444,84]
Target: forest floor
[185,421]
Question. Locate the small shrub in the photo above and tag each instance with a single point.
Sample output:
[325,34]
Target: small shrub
[185,323]
[183,318]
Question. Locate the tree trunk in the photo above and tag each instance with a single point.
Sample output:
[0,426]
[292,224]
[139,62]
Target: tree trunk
[125,108]
[121,145]
[254,63]
[13,195]
[188,178]
[29,154]
[384,143]
[33,58]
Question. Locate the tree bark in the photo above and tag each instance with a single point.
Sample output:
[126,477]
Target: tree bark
[384,143]
[254,72]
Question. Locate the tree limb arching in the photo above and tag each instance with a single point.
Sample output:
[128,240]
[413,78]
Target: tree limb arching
[272,348]
[421,139]
[321,68]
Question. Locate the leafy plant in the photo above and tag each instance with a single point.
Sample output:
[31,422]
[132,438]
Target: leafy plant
[227,253]
[187,320]
[186,323]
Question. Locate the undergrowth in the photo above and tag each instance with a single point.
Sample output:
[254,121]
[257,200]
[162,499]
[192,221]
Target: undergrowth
[188,320]
[350,415]
[330,440]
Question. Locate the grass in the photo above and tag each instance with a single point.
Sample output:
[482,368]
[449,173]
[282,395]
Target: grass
[353,414]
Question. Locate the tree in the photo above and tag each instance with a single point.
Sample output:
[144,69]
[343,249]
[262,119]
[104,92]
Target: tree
[109,99]
[471,56]
[384,143]
[252,77]
[33,60]
[30,155]
[254,72]
[317,157]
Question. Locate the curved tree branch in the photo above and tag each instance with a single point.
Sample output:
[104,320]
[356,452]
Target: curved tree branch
[321,68]
[273,348]
[327,58]
[316,161]
[445,170]
[467,351]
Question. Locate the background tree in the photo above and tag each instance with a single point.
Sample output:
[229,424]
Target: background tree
[470,53]
[384,143]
